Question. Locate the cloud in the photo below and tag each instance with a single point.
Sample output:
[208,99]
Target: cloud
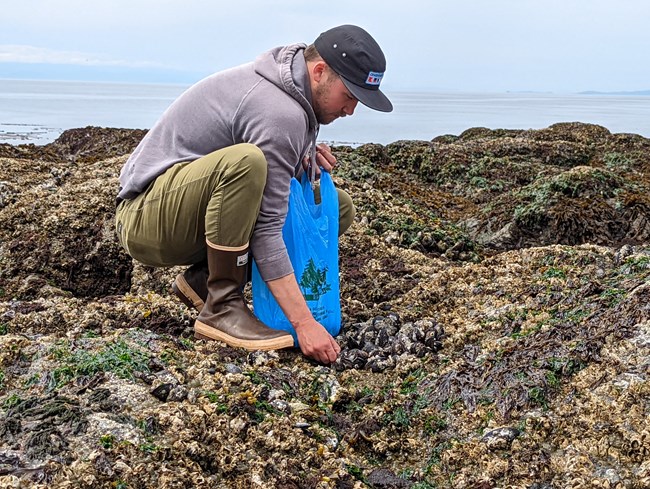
[22,53]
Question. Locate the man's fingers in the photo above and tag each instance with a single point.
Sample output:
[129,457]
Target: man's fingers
[335,346]
[327,165]
[326,354]
[333,351]
[329,356]
[325,157]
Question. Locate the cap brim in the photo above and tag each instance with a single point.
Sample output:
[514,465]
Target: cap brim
[374,99]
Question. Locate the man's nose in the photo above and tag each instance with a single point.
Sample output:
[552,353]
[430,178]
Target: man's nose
[349,108]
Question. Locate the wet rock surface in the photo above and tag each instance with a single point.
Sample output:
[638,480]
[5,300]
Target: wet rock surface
[496,304]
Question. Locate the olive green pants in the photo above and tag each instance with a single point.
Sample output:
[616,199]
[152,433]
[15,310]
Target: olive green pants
[216,197]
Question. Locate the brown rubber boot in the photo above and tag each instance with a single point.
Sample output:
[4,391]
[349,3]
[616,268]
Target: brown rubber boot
[191,286]
[225,315]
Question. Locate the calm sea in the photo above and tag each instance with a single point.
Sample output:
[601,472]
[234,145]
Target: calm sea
[38,111]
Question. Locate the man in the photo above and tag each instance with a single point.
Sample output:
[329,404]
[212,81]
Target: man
[211,180]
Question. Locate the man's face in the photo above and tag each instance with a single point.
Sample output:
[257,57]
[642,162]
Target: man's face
[331,99]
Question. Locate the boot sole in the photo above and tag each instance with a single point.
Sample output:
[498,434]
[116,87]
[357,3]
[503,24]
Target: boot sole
[204,332]
[186,293]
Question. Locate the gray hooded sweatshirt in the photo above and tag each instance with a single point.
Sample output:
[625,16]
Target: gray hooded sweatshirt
[266,103]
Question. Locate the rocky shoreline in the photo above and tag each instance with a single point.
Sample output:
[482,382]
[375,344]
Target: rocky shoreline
[496,301]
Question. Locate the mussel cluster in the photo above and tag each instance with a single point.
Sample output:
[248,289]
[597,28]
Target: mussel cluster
[377,344]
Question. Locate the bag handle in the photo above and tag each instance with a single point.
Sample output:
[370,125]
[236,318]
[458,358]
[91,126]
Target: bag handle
[329,200]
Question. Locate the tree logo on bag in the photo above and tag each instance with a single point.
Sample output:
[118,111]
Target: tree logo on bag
[314,281]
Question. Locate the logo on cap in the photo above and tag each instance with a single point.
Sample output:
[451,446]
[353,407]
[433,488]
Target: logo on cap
[374,78]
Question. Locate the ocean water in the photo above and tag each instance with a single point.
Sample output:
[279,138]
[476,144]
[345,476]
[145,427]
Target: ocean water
[38,111]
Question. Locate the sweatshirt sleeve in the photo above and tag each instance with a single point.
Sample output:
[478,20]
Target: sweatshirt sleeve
[279,127]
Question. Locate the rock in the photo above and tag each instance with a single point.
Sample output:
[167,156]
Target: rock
[500,438]
[231,368]
[276,394]
[162,392]
[514,290]
[177,393]
[259,358]
[386,479]
[280,405]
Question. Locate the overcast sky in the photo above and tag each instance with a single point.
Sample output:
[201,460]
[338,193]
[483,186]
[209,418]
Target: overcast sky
[469,45]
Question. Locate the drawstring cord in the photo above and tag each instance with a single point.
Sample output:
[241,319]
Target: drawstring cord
[312,160]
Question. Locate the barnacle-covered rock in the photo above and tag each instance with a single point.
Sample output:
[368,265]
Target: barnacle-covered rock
[178,393]
[500,438]
[231,368]
[380,362]
[162,391]
[494,282]
[281,406]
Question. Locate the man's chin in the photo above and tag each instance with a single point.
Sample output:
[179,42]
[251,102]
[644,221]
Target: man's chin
[328,120]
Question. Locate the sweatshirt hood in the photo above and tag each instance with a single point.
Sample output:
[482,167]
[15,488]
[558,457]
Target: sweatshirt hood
[286,68]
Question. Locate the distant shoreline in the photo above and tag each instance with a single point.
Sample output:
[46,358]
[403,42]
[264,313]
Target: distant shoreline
[37,134]
[636,93]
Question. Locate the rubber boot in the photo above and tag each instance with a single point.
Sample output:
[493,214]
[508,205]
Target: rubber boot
[225,315]
[191,286]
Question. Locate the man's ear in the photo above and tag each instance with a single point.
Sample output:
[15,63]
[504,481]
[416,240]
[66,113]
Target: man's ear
[318,70]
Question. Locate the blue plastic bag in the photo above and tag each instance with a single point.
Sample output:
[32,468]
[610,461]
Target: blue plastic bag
[311,235]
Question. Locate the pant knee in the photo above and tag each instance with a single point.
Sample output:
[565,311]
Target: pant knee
[347,211]
[253,165]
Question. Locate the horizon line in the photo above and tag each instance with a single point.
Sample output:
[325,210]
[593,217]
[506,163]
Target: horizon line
[187,84]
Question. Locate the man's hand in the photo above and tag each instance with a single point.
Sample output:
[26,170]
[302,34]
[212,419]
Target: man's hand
[324,159]
[315,342]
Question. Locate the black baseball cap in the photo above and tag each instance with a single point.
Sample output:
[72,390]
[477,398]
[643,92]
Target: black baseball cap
[357,58]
